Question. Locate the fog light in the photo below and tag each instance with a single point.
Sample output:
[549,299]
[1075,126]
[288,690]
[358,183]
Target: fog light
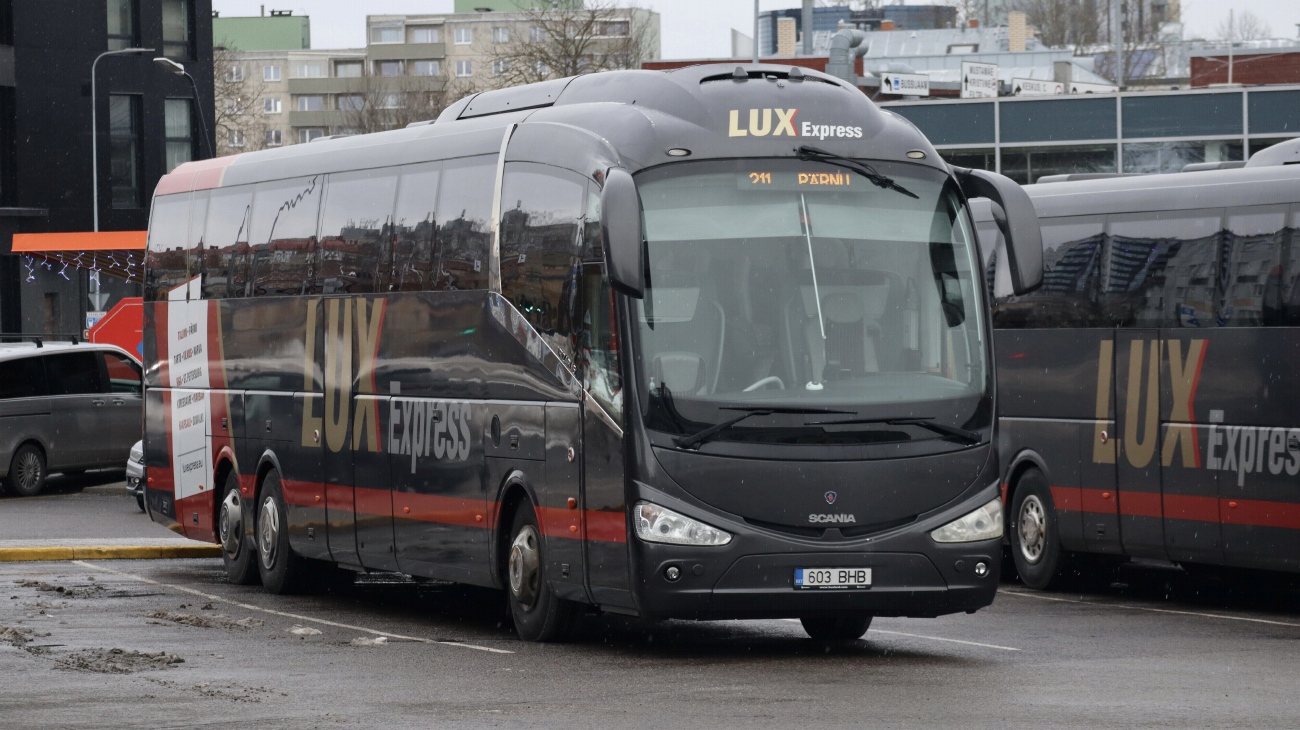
[981,570]
[673,572]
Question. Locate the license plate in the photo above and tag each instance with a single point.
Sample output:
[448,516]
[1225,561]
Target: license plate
[833,578]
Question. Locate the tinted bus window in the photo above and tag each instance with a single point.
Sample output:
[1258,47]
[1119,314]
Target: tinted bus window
[226,236]
[165,265]
[541,248]
[1282,292]
[465,223]
[73,373]
[22,378]
[202,262]
[1160,269]
[597,336]
[355,232]
[282,237]
[1252,265]
[1072,249]
[413,266]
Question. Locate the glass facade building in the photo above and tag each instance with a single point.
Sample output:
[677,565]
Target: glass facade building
[1028,138]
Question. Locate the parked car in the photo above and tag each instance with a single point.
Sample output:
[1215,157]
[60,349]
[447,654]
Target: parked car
[64,408]
[135,474]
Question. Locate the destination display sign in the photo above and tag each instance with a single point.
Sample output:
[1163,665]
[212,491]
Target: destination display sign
[795,180]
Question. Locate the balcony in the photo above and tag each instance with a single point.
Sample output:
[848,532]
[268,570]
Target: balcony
[326,118]
[406,51]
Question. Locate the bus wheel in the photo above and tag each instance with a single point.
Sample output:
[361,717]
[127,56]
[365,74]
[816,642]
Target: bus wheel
[1035,540]
[538,613]
[839,628]
[237,550]
[282,571]
[27,471]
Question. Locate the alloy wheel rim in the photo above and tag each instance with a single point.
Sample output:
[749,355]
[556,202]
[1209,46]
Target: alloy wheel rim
[525,567]
[231,524]
[29,470]
[1032,529]
[268,532]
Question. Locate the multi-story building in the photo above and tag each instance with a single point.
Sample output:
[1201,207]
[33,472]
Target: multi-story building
[146,123]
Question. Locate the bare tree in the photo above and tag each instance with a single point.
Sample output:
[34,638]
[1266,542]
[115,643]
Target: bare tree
[1061,23]
[1243,26]
[386,103]
[568,41]
[237,91]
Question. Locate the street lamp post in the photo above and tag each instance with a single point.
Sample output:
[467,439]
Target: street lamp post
[94,127]
[179,70]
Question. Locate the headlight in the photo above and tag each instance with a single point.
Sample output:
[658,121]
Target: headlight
[137,453]
[984,523]
[660,524]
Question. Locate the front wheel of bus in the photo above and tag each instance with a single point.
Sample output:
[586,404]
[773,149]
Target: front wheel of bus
[538,613]
[282,571]
[238,553]
[1035,540]
[839,628]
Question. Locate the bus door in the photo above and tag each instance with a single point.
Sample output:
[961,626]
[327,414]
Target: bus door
[1190,493]
[338,368]
[562,501]
[1097,476]
[1137,466]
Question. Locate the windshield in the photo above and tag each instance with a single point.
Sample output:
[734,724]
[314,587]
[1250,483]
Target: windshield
[803,288]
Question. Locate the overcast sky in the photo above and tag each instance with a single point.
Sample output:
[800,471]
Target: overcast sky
[692,28]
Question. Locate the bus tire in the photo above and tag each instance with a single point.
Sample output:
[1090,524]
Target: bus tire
[836,628]
[1040,560]
[238,553]
[27,471]
[539,615]
[282,570]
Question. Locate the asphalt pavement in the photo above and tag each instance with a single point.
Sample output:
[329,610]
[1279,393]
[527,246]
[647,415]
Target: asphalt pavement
[169,643]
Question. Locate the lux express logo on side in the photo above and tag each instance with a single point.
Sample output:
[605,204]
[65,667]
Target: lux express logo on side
[781,122]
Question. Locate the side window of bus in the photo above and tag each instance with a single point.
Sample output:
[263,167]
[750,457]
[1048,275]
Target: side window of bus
[282,237]
[598,350]
[356,231]
[1256,268]
[465,223]
[1160,269]
[202,262]
[1072,255]
[541,221]
[412,266]
[165,255]
[226,238]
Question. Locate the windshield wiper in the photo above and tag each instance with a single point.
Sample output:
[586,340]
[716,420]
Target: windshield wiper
[686,442]
[953,432]
[812,154]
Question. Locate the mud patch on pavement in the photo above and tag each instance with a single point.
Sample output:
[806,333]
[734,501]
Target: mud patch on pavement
[213,621]
[232,691]
[15,636]
[117,661]
[87,591]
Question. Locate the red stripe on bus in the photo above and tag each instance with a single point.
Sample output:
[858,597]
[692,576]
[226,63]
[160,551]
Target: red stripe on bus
[443,510]
[1258,513]
[1140,504]
[606,526]
[1238,512]
[374,502]
[1100,501]
[1187,507]
[1067,499]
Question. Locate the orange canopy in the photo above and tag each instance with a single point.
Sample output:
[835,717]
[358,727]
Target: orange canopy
[117,253]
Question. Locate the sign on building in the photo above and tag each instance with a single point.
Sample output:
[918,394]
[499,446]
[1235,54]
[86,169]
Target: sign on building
[979,80]
[1079,87]
[1034,87]
[905,84]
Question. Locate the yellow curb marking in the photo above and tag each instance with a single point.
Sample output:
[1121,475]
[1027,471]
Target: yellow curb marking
[108,552]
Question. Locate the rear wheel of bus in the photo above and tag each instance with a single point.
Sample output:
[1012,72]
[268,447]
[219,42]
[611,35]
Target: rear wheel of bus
[281,569]
[1035,535]
[238,553]
[539,614]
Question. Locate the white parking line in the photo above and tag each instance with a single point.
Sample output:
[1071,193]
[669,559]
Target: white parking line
[934,638]
[285,614]
[1150,609]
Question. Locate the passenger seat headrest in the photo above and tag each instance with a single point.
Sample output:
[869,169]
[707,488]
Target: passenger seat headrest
[682,372]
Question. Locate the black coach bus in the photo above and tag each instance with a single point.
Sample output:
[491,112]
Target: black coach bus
[703,344]
[1148,389]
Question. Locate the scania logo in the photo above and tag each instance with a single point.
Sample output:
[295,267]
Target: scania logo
[835,518]
[830,497]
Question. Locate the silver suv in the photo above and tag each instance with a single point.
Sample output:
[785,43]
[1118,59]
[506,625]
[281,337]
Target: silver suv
[64,407]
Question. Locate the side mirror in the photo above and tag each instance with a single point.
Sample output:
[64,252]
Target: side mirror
[620,229]
[1014,214]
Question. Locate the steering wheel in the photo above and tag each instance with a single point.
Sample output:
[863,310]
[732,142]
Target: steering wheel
[766,382]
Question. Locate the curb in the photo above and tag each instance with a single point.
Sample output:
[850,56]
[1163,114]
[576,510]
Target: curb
[108,552]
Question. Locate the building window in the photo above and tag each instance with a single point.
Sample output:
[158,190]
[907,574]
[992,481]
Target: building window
[350,102]
[464,68]
[425,34]
[234,73]
[348,69]
[178,131]
[500,34]
[386,33]
[271,105]
[310,71]
[541,68]
[176,28]
[390,101]
[121,24]
[235,138]
[307,135]
[389,68]
[274,138]
[235,106]
[499,66]
[270,73]
[124,149]
[464,36]
[612,29]
[428,68]
[536,34]
[311,103]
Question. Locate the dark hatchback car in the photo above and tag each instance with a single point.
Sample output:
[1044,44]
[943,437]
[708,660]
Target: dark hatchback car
[65,408]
